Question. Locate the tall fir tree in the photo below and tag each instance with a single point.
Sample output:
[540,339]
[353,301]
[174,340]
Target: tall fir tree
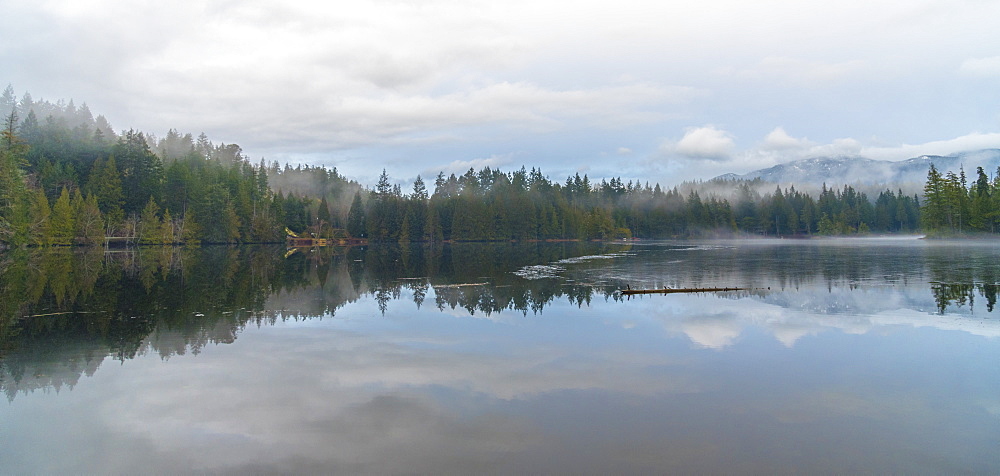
[141,171]
[63,221]
[13,192]
[39,214]
[89,222]
[150,224]
[356,223]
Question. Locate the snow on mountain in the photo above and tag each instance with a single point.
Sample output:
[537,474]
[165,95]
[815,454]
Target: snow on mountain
[860,170]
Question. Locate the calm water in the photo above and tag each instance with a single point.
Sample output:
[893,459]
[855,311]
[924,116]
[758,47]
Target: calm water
[854,356]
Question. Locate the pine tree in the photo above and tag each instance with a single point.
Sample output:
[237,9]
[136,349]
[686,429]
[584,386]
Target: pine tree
[13,192]
[323,217]
[230,224]
[979,207]
[39,214]
[404,230]
[383,188]
[826,226]
[8,101]
[190,231]
[419,190]
[432,228]
[89,222]
[141,171]
[105,184]
[63,221]
[150,224]
[356,223]
[935,201]
[167,235]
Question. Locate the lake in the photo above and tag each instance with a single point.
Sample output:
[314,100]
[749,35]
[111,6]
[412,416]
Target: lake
[836,356]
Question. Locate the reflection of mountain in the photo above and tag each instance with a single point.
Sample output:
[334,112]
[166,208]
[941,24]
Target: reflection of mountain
[792,315]
[806,287]
[65,311]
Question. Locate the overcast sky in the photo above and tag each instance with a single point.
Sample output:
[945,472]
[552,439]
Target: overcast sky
[662,91]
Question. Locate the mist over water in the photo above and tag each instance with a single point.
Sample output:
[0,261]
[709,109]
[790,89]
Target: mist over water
[837,356]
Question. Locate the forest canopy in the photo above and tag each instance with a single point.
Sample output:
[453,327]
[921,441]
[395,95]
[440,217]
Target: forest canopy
[68,178]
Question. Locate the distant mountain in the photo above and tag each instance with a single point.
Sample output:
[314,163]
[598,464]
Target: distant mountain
[860,170]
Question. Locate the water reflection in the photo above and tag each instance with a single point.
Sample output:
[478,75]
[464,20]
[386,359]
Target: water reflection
[502,359]
[62,312]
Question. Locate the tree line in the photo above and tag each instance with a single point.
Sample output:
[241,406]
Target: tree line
[953,206]
[491,205]
[70,179]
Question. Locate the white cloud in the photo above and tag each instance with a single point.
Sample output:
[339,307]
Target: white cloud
[697,162]
[778,139]
[981,67]
[809,72]
[839,147]
[706,142]
[460,167]
[450,80]
[968,142]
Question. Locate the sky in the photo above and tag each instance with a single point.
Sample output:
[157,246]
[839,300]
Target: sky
[657,91]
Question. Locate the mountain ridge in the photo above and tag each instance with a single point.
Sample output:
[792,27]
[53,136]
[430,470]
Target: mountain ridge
[845,170]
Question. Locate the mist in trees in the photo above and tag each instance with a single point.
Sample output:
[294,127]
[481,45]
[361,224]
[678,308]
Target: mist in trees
[67,178]
[491,205]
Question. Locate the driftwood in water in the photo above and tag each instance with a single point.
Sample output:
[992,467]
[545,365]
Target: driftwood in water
[629,292]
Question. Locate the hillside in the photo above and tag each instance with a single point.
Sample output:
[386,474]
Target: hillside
[835,171]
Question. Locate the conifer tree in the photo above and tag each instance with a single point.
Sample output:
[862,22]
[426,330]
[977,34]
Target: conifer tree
[190,231]
[13,192]
[105,184]
[141,171]
[167,236]
[404,230]
[38,214]
[432,228]
[63,221]
[356,223]
[89,222]
[935,201]
[980,219]
[323,217]
[150,224]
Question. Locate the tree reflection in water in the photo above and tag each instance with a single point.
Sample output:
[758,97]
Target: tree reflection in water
[63,311]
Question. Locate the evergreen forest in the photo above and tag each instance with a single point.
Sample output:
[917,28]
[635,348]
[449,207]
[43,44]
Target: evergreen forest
[68,178]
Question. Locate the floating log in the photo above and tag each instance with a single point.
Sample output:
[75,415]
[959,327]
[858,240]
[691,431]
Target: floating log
[63,313]
[459,285]
[629,292]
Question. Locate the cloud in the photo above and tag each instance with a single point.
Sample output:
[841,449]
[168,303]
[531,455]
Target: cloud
[706,142]
[779,147]
[810,72]
[968,142]
[708,152]
[778,139]
[366,118]
[839,147]
[459,167]
[415,85]
[981,67]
